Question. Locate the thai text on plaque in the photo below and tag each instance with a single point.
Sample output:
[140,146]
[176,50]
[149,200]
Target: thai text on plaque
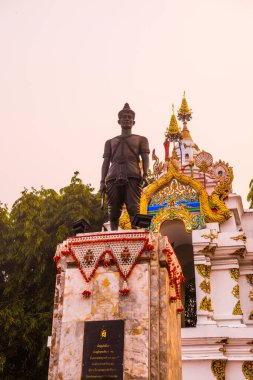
[103,350]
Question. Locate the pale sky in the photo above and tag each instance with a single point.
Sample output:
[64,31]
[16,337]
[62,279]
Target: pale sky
[68,66]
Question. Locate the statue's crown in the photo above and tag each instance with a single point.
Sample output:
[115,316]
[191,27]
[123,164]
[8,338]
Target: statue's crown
[126,109]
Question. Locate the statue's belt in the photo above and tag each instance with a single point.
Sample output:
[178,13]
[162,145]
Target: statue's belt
[124,159]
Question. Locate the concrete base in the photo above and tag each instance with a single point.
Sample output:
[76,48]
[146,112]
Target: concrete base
[152,326]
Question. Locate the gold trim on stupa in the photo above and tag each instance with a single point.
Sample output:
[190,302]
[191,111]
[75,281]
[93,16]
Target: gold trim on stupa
[186,133]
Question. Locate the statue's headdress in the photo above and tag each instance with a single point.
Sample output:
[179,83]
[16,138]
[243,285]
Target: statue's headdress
[126,109]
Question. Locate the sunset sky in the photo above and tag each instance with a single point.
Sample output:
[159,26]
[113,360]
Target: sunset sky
[68,67]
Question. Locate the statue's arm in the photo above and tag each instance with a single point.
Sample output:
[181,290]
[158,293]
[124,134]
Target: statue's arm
[105,165]
[145,163]
[145,159]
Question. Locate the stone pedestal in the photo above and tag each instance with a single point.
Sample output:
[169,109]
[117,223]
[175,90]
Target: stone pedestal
[152,324]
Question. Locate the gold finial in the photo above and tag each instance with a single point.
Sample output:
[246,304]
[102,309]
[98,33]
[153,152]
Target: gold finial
[184,113]
[173,133]
[173,108]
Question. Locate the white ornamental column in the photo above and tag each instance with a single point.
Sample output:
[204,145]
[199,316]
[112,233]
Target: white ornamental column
[202,280]
[225,292]
[246,293]
[204,245]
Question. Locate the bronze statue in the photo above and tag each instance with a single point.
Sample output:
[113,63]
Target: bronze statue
[122,179]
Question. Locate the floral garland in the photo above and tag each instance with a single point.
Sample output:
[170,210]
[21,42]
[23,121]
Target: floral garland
[176,277]
[91,250]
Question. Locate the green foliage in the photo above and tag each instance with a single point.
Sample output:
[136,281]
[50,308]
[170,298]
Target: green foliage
[250,194]
[39,219]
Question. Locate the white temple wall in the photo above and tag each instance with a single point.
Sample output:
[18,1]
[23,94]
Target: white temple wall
[223,301]
[247,220]
[234,370]
[227,335]
[229,225]
[247,224]
[202,370]
[234,202]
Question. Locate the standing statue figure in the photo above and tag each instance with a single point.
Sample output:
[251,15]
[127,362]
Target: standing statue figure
[122,179]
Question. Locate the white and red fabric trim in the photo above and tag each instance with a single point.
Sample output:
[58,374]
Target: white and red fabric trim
[176,277]
[122,249]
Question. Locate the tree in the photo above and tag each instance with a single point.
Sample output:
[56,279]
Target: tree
[250,194]
[39,219]
[4,238]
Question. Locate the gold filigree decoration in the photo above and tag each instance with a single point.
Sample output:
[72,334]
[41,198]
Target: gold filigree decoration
[204,270]
[250,317]
[221,190]
[239,252]
[222,341]
[218,368]
[235,291]
[205,286]
[201,269]
[208,249]
[174,190]
[247,370]
[170,214]
[237,309]
[208,271]
[242,237]
[210,236]
[249,278]
[219,170]
[204,304]
[203,161]
[209,305]
[124,221]
[234,274]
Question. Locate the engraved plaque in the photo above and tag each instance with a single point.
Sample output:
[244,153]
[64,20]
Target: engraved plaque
[103,350]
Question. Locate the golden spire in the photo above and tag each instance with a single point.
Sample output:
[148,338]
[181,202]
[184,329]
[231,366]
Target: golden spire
[185,134]
[173,133]
[184,113]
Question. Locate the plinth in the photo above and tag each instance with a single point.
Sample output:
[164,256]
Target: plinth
[116,308]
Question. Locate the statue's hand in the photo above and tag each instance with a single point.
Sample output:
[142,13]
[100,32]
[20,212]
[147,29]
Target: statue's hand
[102,187]
[144,180]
